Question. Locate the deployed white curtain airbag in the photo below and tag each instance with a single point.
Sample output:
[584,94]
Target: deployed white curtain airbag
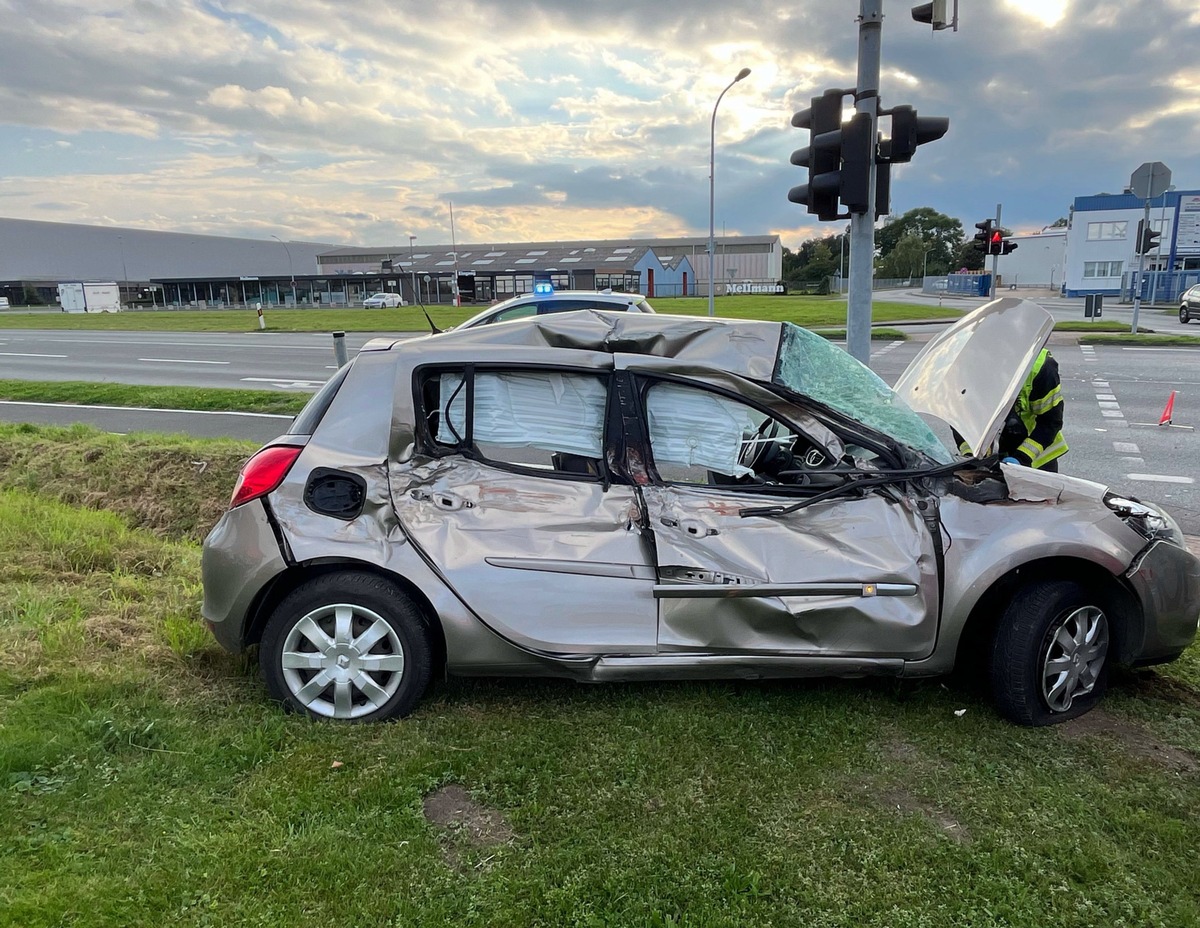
[549,411]
[698,429]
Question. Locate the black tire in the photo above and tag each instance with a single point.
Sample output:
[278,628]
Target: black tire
[1049,659]
[1184,316]
[361,635]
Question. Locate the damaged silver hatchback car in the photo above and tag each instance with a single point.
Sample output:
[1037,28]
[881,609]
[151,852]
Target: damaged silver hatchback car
[618,496]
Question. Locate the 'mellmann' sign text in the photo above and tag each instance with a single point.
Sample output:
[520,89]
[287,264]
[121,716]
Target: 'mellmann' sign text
[749,286]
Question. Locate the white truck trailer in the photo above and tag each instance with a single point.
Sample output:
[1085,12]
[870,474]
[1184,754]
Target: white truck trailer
[90,297]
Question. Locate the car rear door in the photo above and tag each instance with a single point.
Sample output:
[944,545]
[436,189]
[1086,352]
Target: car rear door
[515,508]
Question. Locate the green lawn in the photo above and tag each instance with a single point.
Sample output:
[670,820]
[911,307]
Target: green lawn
[147,779]
[808,311]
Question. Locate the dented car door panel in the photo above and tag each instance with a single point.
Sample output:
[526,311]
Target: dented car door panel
[554,565]
[851,578]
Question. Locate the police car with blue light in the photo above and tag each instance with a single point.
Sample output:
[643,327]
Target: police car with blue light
[545,300]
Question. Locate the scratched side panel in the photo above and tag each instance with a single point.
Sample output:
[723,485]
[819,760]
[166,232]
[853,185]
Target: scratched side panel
[867,541]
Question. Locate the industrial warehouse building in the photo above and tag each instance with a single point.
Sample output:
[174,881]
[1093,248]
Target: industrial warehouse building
[182,269]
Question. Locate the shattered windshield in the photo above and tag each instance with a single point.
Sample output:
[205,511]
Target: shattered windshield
[811,365]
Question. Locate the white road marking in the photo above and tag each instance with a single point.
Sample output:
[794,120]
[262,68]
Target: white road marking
[1107,404]
[1159,478]
[18,354]
[180,361]
[1098,384]
[1112,413]
[284,382]
[191,412]
[1126,447]
[1105,396]
[1133,461]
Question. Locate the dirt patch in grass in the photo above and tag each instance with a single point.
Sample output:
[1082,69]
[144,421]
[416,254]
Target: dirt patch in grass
[469,825]
[1130,738]
[1154,685]
[452,807]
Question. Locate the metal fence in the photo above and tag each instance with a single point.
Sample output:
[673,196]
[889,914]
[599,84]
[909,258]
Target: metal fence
[1159,286]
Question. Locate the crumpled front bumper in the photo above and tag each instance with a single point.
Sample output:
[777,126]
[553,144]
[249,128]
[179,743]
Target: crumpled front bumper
[1166,579]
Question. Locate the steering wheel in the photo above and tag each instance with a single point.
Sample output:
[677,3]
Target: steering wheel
[761,446]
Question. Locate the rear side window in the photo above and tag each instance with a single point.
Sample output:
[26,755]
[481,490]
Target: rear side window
[310,416]
[538,420]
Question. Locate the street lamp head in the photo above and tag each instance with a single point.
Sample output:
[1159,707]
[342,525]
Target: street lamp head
[742,75]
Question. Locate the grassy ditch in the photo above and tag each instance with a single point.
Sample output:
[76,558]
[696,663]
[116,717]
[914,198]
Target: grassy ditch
[121,394]
[807,311]
[145,779]
[176,487]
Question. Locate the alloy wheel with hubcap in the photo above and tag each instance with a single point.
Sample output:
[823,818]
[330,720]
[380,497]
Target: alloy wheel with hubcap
[1073,657]
[1049,659]
[342,661]
[347,646]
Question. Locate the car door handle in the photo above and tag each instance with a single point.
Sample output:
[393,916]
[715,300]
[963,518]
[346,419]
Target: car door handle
[693,527]
[447,502]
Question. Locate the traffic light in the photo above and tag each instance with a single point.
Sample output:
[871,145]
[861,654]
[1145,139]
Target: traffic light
[858,152]
[822,157]
[910,130]
[996,243]
[932,13]
[1007,248]
[1147,239]
[983,238]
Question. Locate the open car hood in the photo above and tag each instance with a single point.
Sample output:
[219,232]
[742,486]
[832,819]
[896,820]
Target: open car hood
[970,374]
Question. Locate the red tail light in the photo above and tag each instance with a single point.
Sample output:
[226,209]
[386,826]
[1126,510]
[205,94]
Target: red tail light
[263,473]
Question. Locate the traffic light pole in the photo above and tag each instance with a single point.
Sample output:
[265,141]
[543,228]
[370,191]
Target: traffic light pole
[995,257]
[1137,281]
[862,225]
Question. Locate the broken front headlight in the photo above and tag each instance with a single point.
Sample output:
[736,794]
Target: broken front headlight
[1149,521]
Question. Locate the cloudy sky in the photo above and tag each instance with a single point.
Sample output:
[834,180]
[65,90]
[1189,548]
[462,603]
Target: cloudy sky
[359,121]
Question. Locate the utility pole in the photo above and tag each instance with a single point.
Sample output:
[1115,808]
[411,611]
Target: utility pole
[862,225]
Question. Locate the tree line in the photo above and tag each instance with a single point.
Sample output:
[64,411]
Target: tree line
[922,241]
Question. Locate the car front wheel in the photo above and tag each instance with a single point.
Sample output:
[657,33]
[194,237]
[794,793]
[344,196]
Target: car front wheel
[1184,316]
[348,646]
[1050,654]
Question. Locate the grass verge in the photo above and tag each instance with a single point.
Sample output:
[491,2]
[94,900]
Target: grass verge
[120,394]
[807,311]
[1164,341]
[145,779]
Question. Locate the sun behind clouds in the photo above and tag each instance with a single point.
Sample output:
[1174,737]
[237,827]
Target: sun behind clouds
[1047,12]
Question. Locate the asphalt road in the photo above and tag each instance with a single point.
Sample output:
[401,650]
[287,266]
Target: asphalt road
[274,361]
[1115,395]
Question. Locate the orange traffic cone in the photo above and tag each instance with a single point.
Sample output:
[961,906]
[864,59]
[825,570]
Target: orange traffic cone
[1165,419]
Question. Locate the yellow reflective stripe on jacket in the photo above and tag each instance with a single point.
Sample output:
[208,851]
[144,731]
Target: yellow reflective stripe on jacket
[1031,449]
[1047,402]
[1056,449]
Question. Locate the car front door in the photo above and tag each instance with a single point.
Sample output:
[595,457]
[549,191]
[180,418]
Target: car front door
[516,510]
[847,577]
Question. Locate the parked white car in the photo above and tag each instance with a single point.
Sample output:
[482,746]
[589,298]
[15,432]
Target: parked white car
[382,300]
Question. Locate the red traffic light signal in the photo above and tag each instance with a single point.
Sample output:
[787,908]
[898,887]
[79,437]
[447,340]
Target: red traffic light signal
[995,242]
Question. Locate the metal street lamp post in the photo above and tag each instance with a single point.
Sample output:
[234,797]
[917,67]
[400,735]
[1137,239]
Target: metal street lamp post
[413,268]
[712,159]
[291,273]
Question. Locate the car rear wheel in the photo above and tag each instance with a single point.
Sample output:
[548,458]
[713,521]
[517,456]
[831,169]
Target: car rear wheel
[1184,316]
[1050,654]
[348,646]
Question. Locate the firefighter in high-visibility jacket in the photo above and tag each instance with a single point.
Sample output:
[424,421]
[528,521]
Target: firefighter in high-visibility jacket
[1032,435]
